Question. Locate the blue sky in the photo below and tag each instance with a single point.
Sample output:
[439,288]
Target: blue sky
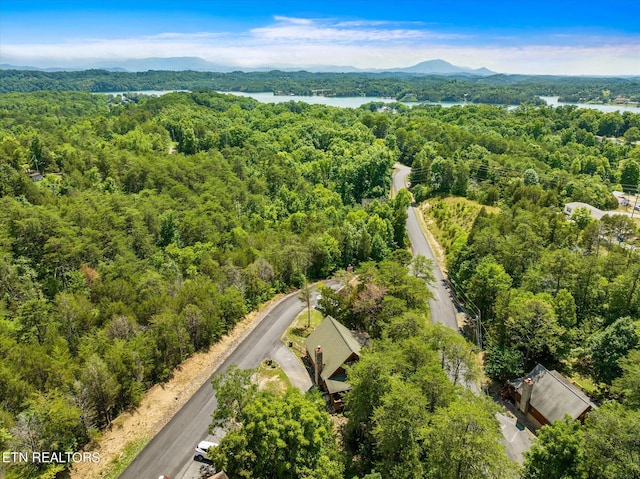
[517,36]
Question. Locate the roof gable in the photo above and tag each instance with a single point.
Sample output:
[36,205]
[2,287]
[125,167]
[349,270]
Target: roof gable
[337,343]
[553,395]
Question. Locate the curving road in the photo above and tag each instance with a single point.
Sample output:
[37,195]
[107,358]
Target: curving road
[442,307]
[170,452]
[516,439]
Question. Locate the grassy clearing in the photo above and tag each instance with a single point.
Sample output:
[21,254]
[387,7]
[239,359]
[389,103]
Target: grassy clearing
[272,378]
[130,452]
[583,382]
[298,331]
[451,219]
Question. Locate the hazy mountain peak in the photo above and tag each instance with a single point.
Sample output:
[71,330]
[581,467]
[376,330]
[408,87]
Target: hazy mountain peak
[442,67]
[429,67]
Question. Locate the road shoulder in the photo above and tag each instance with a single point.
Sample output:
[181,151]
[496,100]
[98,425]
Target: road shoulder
[163,401]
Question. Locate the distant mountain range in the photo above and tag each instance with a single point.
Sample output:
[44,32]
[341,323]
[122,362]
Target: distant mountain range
[441,67]
[430,67]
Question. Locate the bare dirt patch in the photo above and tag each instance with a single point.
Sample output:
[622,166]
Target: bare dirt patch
[270,377]
[162,401]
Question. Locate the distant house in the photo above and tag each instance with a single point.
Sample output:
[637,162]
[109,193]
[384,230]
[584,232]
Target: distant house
[330,347]
[546,396]
[570,208]
[620,196]
[36,176]
[595,213]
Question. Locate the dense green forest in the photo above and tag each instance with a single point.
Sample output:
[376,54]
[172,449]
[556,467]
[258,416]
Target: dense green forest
[580,274]
[495,89]
[564,292]
[155,228]
[158,224]
[407,416]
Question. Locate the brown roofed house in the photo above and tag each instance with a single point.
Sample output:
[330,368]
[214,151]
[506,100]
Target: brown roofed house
[545,396]
[330,347]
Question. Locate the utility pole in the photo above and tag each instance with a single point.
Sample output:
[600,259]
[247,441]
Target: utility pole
[635,204]
[305,296]
[478,325]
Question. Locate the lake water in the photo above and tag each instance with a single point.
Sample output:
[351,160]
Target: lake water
[357,101]
[339,101]
[553,101]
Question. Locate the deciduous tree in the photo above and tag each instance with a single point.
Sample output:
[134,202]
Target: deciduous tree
[462,441]
[557,453]
[611,443]
[280,438]
[607,347]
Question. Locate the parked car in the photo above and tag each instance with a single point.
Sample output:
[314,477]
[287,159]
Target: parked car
[636,207]
[317,306]
[202,448]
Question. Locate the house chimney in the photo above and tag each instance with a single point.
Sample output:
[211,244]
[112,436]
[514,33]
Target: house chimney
[525,396]
[318,365]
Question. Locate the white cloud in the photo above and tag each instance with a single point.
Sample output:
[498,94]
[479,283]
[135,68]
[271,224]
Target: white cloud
[362,23]
[287,29]
[305,42]
[173,35]
[293,20]
[331,34]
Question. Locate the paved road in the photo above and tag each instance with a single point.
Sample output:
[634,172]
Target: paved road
[516,439]
[171,451]
[442,307]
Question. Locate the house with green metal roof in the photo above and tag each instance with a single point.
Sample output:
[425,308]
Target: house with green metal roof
[331,347]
